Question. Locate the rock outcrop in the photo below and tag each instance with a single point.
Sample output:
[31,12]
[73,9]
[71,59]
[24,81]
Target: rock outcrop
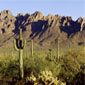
[7,21]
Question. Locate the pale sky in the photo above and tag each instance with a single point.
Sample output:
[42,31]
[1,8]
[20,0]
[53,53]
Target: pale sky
[74,8]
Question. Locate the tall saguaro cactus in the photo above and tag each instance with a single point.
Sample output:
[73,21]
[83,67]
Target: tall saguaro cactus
[32,50]
[58,49]
[19,45]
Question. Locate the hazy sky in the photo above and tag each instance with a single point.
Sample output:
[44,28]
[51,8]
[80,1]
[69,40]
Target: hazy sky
[74,8]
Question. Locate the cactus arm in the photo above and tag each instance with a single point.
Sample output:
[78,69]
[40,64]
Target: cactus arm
[15,45]
[24,43]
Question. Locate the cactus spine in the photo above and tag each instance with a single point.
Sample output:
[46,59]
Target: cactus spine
[19,45]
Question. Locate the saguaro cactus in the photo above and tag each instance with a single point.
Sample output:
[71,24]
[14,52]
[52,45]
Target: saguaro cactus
[19,45]
[58,49]
[32,50]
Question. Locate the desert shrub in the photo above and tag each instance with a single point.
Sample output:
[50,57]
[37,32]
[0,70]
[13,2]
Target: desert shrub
[12,69]
[69,64]
[36,64]
[9,69]
[79,78]
[68,68]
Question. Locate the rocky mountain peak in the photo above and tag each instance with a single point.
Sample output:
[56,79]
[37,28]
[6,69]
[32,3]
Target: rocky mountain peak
[43,28]
[35,16]
[7,21]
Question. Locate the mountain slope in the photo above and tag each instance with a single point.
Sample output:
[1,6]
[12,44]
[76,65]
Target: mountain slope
[44,30]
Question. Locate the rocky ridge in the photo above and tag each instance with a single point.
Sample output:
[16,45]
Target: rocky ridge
[46,30]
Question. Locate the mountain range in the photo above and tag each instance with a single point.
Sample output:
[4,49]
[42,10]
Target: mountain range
[47,31]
